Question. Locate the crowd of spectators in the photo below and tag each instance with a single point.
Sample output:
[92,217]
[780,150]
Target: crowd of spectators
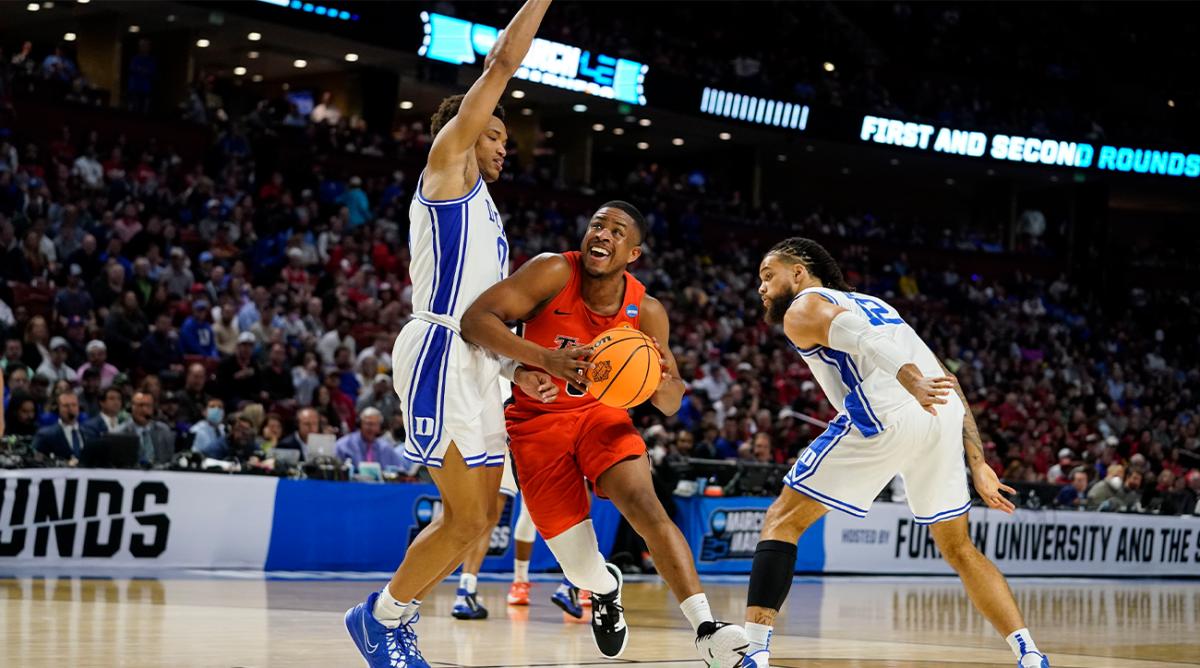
[209,304]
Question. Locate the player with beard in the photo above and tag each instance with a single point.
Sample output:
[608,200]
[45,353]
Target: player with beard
[560,435]
[896,415]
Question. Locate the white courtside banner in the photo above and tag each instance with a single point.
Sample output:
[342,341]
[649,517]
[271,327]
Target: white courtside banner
[1030,542]
[137,519]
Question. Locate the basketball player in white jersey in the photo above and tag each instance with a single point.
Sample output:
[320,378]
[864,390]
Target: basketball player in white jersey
[449,391]
[896,415]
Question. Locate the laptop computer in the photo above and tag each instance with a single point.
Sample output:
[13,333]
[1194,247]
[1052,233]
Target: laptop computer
[320,445]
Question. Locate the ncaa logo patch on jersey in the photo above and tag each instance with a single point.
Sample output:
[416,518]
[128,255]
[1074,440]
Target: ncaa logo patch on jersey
[631,311]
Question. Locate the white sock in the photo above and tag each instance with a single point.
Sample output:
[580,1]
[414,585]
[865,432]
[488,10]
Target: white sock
[520,571]
[468,581]
[695,608]
[388,611]
[413,606]
[759,636]
[1021,642]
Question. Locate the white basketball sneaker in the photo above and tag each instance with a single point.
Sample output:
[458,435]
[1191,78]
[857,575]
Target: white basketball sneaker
[722,645]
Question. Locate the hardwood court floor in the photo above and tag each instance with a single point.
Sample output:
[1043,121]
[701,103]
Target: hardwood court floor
[247,621]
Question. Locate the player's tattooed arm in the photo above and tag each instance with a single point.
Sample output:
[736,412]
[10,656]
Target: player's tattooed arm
[670,390]
[987,483]
[520,297]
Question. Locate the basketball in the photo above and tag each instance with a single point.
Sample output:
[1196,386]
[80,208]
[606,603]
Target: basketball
[626,368]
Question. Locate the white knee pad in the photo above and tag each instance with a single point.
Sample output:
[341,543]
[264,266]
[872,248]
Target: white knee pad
[579,555]
[525,531]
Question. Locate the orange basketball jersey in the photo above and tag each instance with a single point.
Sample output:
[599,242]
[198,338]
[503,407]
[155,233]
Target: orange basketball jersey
[566,321]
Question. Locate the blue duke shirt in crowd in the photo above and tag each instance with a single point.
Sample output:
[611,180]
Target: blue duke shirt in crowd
[359,450]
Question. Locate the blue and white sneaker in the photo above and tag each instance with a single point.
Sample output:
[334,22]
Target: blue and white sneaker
[380,646]
[1031,660]
[467,606]
[759,659]
[567,598]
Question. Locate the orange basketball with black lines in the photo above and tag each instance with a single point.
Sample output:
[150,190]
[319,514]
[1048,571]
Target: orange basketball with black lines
[626,368]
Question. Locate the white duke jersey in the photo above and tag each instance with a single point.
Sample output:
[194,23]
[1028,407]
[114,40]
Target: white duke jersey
[458,251]
[867,396]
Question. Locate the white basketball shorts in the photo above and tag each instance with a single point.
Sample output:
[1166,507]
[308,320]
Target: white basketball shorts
[449,392]
[845,471]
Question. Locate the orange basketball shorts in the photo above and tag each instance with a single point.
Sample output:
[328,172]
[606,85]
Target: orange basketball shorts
[555,452]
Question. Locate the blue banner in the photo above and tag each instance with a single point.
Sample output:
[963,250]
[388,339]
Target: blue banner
[723,533]
[336,526]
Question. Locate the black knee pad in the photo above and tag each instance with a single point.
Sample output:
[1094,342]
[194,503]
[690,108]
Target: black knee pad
[771,575]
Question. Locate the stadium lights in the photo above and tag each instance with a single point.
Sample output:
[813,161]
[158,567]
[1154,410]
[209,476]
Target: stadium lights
[82,2]
[678,141]
[580,108]
[202,43]
[725,136]
[598,127]
[642,146]
[253,55]
[69,37]
[1171,103]
[352,57]
[299,63]
[781,157]
[645,122]
[618,131]
[254,36]
[135,29]
[754,109]
[406,105]
[828,66]
[170,18]
[33,6]
[256,78]
[239,71]
[518,94]
[526,111]
[549,134]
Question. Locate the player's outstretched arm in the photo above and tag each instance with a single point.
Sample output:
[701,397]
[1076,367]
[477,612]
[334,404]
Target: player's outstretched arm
[670,390]
[520,297]
[460,134]
[987,483]
[811,321]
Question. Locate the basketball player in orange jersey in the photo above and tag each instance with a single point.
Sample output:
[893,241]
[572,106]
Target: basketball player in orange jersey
[560,435]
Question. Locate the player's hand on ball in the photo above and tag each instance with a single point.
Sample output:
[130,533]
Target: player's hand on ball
[537,384]
[989,487]
[662,360]
[570,364]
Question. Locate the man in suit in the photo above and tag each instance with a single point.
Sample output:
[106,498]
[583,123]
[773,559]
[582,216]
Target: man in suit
[64,440]
[156,438]
[110,417]
[307,423]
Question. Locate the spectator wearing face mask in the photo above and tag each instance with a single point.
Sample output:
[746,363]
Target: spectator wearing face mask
[209,434]
[1109,494]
